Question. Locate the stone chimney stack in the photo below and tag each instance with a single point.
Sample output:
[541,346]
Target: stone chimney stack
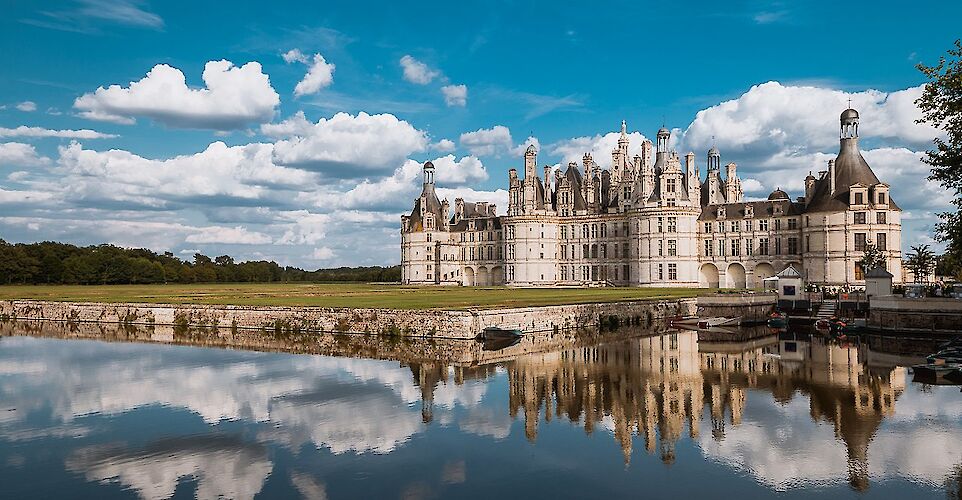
[831,176]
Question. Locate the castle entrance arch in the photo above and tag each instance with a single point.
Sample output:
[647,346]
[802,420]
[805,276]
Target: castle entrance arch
[708,276]
[468,276]
[736,276]
[482,277]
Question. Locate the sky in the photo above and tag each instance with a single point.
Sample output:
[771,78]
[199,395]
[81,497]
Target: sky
[296,132]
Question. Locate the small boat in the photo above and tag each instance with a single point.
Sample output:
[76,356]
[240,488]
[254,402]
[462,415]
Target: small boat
[684,321]
[719,321]
[933,373]
[955,376]
[778,320]
[496,332]
[499,343]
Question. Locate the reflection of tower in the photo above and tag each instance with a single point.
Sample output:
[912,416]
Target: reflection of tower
[427,376]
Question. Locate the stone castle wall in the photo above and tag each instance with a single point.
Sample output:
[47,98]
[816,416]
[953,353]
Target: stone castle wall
[415,323]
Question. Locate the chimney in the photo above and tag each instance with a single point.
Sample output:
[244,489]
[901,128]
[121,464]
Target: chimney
[831,175]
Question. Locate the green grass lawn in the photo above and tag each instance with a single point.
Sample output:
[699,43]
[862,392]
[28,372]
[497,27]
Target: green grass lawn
[339,295]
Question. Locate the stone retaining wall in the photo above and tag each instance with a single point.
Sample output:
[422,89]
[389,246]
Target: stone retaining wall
[930,315]
[752,308]
[418,323]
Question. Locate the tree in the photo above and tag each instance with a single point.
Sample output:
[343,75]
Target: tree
[921,261]
[872,258]
[941,105]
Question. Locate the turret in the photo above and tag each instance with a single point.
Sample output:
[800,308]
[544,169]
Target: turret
[530,162]
[428,174]
[809,187]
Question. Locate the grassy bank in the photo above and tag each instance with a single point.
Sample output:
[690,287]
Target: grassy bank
[339,295]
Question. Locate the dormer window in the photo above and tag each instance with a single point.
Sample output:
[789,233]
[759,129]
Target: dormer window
[429,222]
[859,199]
[749,211]
[882,199]
[778,209]
[721,212]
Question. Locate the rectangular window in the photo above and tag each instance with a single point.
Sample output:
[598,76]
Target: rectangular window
[792,245]
[880,217]
[604,230]
[721,248]
[880,242]
[616,251]
[763,246]
[778,224]
[708,248]
[708,227]
[672,272]
[673,224]
[736,251]
[564,232]
[661,221]
[661,272]
[564,252]
[748,247]
[859,199]
[672,248]
[793,223]
[860,242]
[734,225]
[721,226]
[778,246]
[748,225]
[564,272]
[859,271]
[881,198]
[860,217]
[625,272]
[670,185]
[763,225]
[604,250]
[661,248]
[808,243]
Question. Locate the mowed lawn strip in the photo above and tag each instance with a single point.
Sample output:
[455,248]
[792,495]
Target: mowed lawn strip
[339,295]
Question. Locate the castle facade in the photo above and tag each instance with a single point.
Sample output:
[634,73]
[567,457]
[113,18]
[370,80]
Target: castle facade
[654,220]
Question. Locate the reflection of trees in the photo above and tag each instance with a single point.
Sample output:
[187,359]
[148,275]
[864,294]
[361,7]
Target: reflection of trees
[656,386]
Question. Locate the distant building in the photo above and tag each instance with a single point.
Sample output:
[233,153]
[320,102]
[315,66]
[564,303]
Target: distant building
[654,221]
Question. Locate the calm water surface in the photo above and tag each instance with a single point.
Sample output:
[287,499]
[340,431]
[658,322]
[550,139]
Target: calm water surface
[571,417]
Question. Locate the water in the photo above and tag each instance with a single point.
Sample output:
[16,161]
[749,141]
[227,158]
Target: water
[569,416]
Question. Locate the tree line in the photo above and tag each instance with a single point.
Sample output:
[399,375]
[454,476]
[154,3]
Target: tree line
[50,262]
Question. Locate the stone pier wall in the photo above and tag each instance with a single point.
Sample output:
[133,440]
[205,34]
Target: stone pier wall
[752,308]
[416,323]
[930,315]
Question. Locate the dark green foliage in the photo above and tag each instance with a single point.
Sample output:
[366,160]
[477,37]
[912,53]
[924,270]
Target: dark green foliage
[59,263]
[941,105]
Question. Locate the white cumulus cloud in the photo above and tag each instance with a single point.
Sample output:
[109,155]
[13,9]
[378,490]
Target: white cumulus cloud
[488,141]
[455,95]
[347,145]
[39,132]
[234,96]
[319,75]
[27,106]
[416,71]
[20,154]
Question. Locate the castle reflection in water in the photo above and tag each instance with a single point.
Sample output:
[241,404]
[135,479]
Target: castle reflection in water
[656,388]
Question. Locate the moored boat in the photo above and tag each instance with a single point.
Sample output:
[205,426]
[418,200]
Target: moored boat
[496,332]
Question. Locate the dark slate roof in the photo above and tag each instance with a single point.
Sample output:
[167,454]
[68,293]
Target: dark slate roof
[850,168]
[762,210]
[574,180]
[433,207]
[778,194]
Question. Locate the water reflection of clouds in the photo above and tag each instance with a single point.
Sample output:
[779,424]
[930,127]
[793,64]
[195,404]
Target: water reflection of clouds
[343,404]
[223,467]
[780,446]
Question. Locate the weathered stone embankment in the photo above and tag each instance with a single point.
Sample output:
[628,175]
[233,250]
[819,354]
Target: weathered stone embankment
[416,323]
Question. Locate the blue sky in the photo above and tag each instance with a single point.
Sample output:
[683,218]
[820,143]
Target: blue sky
[257,161]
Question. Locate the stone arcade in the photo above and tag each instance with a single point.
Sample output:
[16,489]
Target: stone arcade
[654,222]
